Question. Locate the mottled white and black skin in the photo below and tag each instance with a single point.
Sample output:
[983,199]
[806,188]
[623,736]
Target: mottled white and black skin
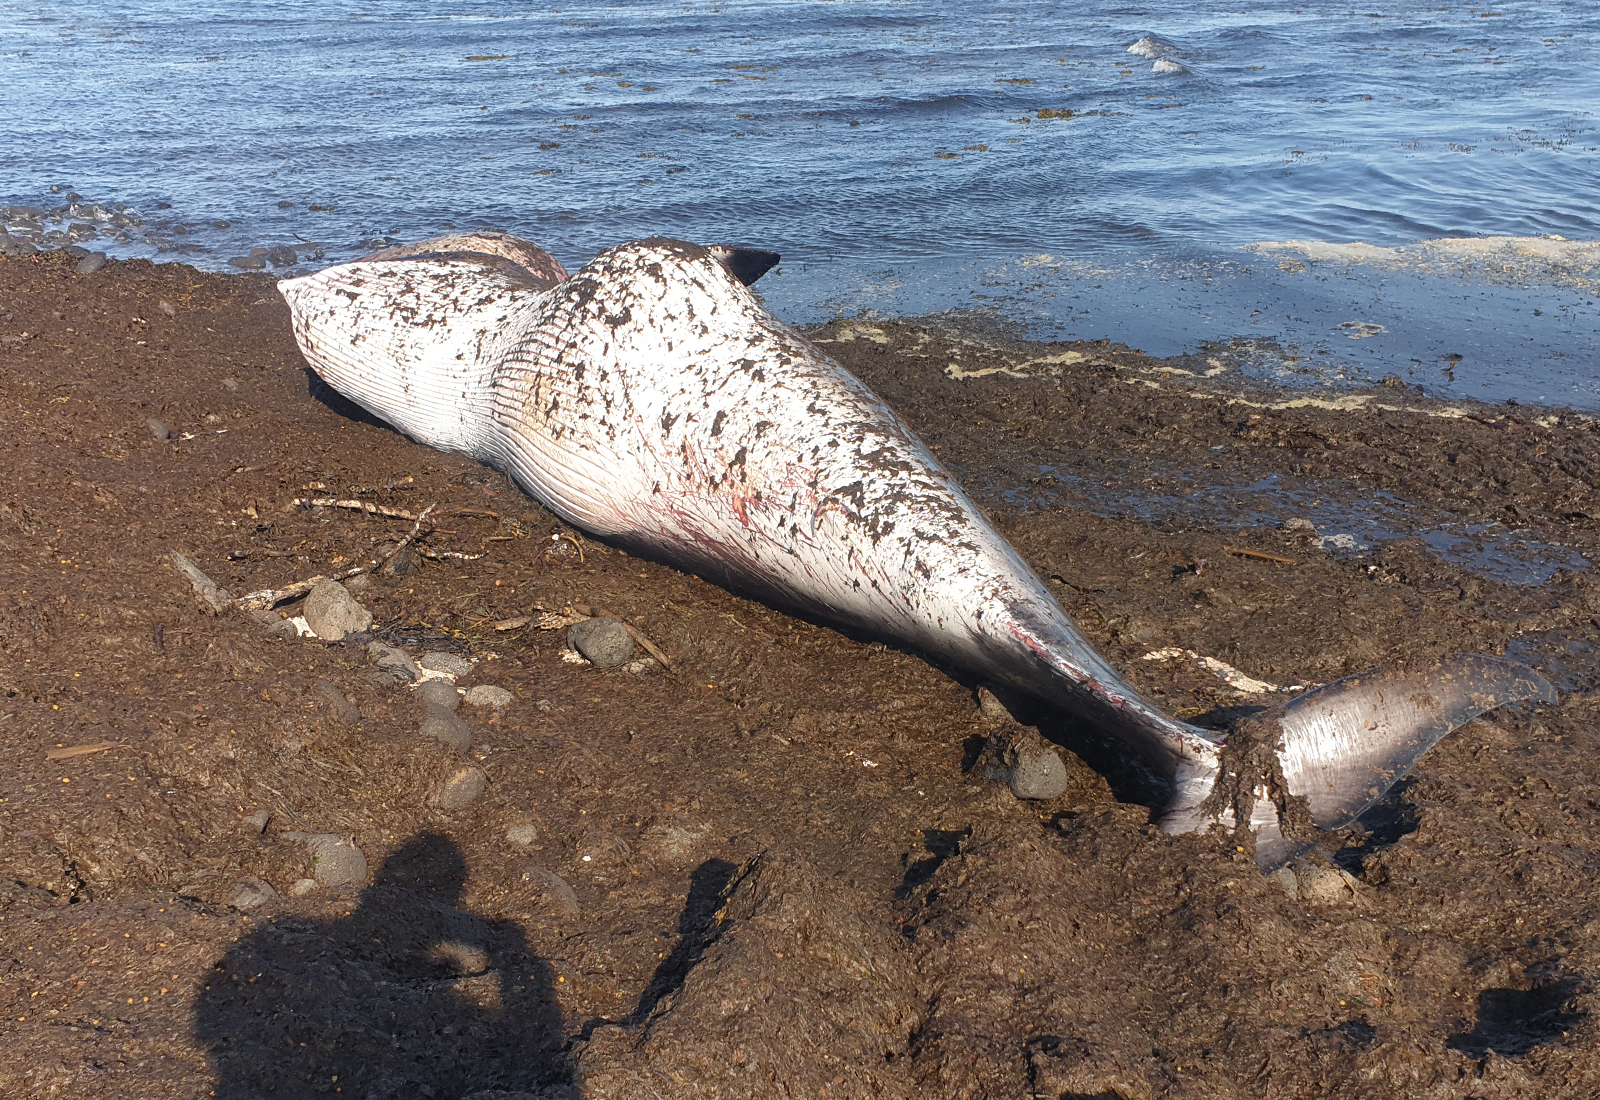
[652,400]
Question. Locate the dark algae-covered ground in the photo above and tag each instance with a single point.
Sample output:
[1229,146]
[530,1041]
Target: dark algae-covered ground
[237,863]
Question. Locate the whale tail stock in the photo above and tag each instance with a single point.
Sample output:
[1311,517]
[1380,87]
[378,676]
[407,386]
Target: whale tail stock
[1322,758]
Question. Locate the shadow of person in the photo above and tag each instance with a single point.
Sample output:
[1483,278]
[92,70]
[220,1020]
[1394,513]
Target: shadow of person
[408,995]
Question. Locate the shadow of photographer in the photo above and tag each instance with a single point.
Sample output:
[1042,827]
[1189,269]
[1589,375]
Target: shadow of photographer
[408,995]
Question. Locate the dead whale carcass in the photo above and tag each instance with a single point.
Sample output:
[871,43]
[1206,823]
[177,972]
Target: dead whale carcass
[651,399]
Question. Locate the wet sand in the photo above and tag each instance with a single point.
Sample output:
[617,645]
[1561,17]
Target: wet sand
[770,870]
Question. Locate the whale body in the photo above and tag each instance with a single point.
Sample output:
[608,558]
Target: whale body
[651,399]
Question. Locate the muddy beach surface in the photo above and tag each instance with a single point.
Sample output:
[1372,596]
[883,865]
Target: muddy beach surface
[770,867]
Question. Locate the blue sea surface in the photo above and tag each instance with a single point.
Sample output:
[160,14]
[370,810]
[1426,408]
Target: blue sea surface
[1010,158]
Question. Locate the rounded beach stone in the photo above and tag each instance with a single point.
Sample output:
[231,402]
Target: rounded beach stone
[1038,773]
[335,860]
[439,695]
[1021,759]
[446,727]
[606,643]
[332,612]
[522,835]
[452,663]
[158,429]
[463,786]
[250,893]
[396,666]
[1319,883]
[490,696]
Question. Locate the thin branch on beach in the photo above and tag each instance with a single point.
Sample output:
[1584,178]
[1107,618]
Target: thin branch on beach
[1258,555]
[454,555]
[214,599]
[219,600]
[354,505]
[70,751]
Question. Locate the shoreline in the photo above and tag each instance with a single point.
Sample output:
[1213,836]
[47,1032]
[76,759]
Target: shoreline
[783,835]
[1486,318]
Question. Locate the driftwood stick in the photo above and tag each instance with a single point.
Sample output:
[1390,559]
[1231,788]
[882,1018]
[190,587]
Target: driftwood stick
[78,750]
[215,600]
[456,555]
[354,505]
[271,597]
[1258,555]
[639,637]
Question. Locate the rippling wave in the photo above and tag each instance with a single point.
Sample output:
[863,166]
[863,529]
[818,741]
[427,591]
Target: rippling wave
[870,143]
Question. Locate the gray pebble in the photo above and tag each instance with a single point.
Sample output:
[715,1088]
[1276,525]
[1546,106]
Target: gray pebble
[446,727]
[248,263]
[167,307]
[11,247]
[1299,523]
[91,263]
[158,429]
[283,628]
[1317,883]
[1021,759]
[281,256]
[335,860]
[232,386]
[396,666]
[250,893]
[439,696]
[1038,775]
[303,886]
[453,663]
[255,823]
[356,584]
[463,786]
[606,643]
[332,612]
[522,835]
[490,696]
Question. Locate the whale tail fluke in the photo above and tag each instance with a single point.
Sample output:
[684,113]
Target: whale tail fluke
[1324,757]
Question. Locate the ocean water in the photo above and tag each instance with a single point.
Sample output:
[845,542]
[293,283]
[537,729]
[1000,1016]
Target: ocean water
[1326,187]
